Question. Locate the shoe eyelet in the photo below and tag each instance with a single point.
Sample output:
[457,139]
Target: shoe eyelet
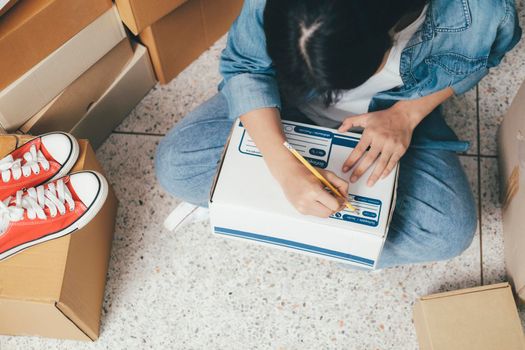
[37,172]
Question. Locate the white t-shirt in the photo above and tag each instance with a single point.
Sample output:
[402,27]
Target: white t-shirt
[356,101]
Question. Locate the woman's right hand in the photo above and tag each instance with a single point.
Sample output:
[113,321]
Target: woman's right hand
[301,187]
[306,193]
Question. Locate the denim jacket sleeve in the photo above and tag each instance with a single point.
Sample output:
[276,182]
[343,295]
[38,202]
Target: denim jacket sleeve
[507,36]
[249,78]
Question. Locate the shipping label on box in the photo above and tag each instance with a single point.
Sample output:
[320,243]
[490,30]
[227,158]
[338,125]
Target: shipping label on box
[247,203]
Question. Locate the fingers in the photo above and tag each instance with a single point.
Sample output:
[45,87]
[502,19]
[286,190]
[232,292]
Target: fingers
[319,210]
[317,201]
[352,122]
[357,153]
[340,184]
[391,165]
[367,161]
[316,204]
[329,201]
[380,167]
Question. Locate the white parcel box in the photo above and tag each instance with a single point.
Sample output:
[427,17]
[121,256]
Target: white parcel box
[247,203]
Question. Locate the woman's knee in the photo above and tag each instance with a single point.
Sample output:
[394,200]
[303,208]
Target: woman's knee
[168,166]
[422,232]
[187,157]
[457,236]
[437,211]
[184,175]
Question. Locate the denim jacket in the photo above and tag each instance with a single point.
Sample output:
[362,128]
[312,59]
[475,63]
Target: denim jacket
[459,41]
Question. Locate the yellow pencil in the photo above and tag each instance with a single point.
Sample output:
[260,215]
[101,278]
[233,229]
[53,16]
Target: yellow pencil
[317,174]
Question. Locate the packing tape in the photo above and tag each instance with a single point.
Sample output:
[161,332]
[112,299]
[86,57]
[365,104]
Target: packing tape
[521,149]
[513,183]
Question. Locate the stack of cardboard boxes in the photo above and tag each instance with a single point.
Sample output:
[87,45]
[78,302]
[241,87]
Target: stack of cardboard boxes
[56,289]
[47,47]
[69,65]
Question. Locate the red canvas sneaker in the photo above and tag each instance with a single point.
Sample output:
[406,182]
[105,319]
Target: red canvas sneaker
[50,211]
[42,159]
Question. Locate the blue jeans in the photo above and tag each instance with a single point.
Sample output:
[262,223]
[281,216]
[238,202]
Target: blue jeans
[435,214]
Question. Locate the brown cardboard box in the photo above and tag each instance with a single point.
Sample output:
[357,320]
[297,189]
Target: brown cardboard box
[482,318]
[218,16]
[56,289]
[31,30]
[180,37]
[86,117]
[139,14]
[66,110]
[27,95]
[511,144]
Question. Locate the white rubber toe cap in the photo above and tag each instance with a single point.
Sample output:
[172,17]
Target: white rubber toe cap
[88,186]
[59,145]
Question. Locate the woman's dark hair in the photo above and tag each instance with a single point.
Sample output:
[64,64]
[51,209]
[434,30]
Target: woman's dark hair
[326,46]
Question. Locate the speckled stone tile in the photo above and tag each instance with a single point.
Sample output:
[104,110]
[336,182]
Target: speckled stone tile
[460,114]
[192,290]
[164,105]
[497,90]
[492,230]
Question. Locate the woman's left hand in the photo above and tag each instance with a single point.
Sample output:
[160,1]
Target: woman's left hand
[385,139]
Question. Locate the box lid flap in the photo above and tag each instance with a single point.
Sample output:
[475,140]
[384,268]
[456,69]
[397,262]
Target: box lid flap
[476,318]
[465,291]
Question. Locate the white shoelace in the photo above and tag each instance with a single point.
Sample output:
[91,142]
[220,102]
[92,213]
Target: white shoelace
[55,197]
[13,168]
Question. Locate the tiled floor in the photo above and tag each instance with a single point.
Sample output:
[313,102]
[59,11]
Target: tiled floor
[191,290]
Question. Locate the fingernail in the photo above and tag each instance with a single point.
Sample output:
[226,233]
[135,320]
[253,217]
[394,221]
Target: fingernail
[353,179]
[345,169]
[370,183]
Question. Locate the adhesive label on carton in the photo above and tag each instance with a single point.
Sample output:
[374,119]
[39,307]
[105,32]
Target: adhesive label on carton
[313,144]
[367,211]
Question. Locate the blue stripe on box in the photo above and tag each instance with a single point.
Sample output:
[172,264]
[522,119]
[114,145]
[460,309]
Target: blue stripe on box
[294,245]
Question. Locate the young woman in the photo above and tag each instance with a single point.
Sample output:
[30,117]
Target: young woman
[381,65]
